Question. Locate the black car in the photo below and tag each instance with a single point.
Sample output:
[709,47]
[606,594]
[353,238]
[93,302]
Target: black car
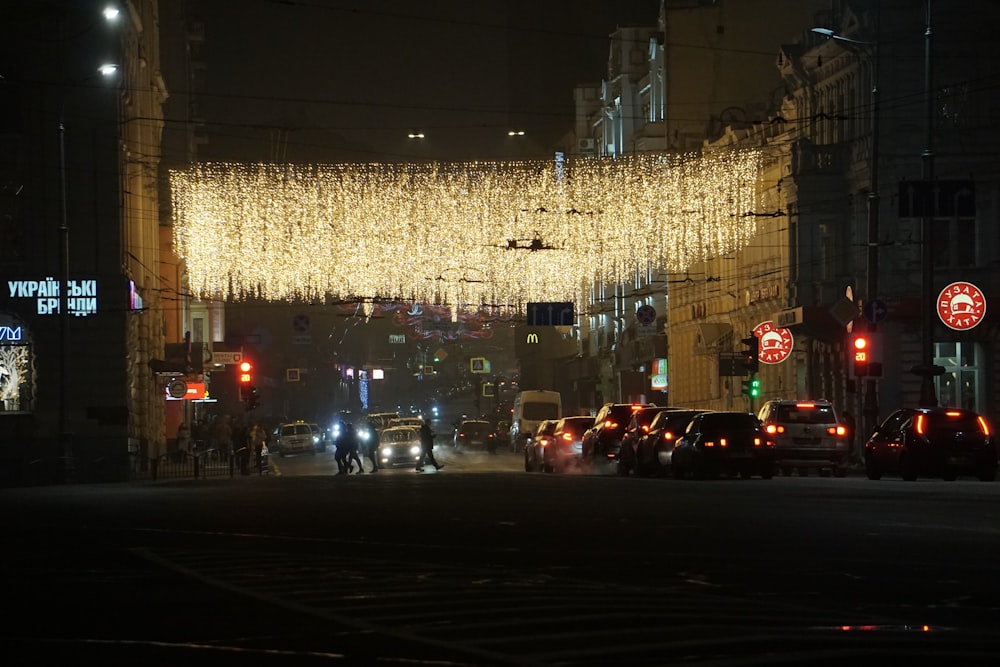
[603,441]
[723,443]
[935,442]
[638,427]
[567,443]
[537,444]
[655,448]
[475,434]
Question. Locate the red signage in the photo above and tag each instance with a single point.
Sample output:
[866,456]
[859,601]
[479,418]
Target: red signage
[961,306]
[775,343]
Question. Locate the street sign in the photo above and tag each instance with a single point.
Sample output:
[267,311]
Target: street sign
[844,311]
[875,311]
[554,313]
[227,358]
[645,314]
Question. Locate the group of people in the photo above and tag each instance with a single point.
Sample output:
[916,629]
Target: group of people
[348,450]
[349,444]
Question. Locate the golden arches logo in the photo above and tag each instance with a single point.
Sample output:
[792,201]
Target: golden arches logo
[532,339]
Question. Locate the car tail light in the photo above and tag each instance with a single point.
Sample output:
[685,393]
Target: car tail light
[953,413]
[645,428]
[610,424]
[775,428]
[568,437]
[756,442]
[919,424]
[837,430]
[722,442]
[983,425]
[805,406]
[636,408]
[668,436]
[709,443]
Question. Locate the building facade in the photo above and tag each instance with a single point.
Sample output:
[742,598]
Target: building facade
[80,312]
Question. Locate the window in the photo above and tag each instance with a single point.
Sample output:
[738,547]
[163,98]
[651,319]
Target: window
[961,383]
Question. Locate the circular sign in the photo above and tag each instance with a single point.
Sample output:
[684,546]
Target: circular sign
[301,323]
[645,314]
[177,389]
[875,311]
[961,306]
[775,343]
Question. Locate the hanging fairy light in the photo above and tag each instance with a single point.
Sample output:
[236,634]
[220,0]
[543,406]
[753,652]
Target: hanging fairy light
[463,234]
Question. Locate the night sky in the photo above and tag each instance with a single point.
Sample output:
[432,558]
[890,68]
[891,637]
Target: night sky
[346,81]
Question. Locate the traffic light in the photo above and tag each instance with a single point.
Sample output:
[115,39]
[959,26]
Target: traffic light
[751,355]
[245,377]
[866,354]
[751,388]
[252,398]
[860,351]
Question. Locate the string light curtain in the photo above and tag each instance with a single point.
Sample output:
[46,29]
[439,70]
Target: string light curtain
[469,234]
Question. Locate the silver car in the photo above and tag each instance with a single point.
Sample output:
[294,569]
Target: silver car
[399,446]
[292,438]
[807,436]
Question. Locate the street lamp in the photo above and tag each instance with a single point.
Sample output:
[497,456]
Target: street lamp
[872,256]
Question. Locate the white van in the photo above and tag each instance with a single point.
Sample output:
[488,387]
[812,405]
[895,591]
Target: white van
[532,407]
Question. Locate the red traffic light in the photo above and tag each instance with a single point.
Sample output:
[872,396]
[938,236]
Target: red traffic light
[245,375]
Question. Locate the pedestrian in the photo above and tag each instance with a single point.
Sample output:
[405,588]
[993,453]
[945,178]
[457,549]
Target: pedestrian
[427,448]
[257,438]
[183,441]
[353,450]
[373,445]
[342,450]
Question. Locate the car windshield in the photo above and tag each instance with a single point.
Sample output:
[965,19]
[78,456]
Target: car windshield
[806,413]
[953,421]
[399,435]
[296,429]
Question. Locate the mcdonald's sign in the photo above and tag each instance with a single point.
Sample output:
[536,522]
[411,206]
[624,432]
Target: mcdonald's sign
[531,339]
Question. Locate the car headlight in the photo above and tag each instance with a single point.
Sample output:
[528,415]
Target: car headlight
[387,451]
[415,449]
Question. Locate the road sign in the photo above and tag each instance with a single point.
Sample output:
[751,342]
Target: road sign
[875,311]
[227,358]
[776,343]
[552,313]
[645,314]
[844,311]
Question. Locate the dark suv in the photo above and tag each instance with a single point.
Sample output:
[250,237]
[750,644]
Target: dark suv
[603,441]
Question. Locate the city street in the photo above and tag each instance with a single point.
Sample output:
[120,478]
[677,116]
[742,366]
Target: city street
[483,564]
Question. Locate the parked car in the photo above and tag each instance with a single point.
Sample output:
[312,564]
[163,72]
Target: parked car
[399,446]
[534,448]
[807,436]
[567,443]
[603,440]
[475,434]
[637,428]
[723,443]
[292,438]
[937,442]
[655,448]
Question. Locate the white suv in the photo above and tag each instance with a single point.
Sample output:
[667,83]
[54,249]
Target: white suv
[807,436]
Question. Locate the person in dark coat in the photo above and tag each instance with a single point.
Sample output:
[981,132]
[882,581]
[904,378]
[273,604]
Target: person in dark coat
[373,445]
[427,448]
[343,449]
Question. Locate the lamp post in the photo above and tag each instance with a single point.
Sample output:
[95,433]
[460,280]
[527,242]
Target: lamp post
[872,247]
[927,370]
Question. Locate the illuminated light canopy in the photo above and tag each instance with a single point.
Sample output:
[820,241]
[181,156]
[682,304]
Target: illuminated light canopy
[463,234]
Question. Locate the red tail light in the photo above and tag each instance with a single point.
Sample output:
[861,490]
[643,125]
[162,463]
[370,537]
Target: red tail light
[709,443]
[610,424]
[775,428]
[667,435]
[756,442]
[568,437]
[645,428]
[919,424]
[983,425]
[722,442]
[837,430]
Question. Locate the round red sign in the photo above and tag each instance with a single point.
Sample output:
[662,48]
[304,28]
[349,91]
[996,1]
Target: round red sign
[961,306]
[775,343]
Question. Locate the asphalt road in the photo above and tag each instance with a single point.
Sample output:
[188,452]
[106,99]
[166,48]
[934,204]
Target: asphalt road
[483,564]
